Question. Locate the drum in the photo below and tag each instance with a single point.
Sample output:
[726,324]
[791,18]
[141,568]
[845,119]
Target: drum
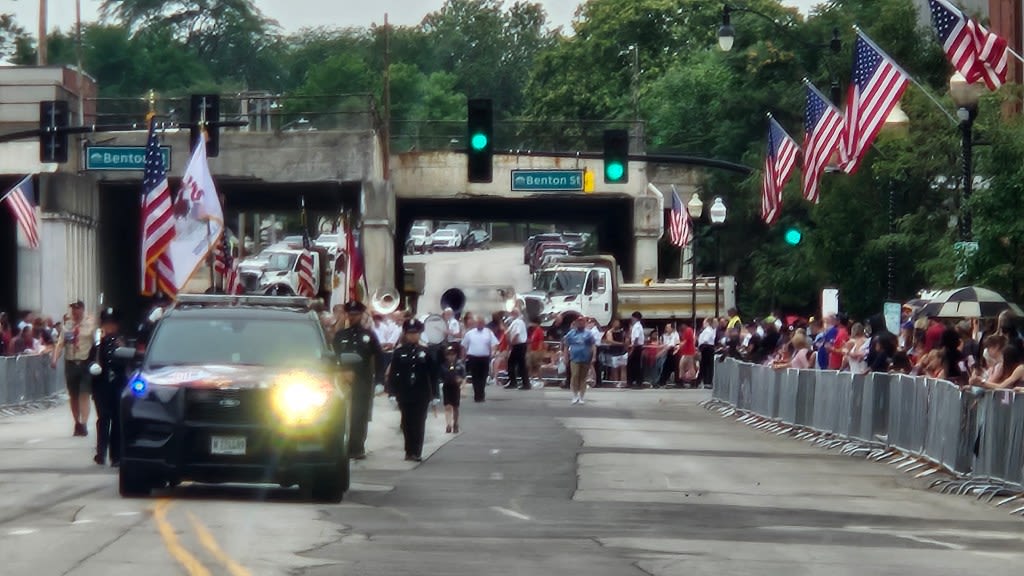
[434,329]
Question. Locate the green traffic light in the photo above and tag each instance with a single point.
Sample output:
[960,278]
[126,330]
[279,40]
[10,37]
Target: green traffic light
[793,237]
[613,171]
[478,141]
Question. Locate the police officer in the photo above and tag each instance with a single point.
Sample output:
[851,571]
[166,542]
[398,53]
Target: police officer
[355,338]
[107,385]
[414,380]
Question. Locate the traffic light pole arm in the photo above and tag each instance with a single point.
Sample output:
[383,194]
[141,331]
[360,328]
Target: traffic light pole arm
[97,128]
[660,158]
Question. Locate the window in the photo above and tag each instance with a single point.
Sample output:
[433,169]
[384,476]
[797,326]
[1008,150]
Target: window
[602,282]
[281,261]
[261,342]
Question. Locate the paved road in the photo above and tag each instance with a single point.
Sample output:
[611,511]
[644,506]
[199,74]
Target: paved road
[502,265]
[634,483]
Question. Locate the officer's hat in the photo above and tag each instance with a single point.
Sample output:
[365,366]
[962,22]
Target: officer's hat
[109,315]
[413,326]
[355,306]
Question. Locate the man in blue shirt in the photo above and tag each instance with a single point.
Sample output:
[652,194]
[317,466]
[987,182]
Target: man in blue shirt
[579,346]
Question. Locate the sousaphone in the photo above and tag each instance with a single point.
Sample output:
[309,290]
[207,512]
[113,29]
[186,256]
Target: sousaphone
[386,303]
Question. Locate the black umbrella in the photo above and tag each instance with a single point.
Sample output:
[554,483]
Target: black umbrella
[969,302]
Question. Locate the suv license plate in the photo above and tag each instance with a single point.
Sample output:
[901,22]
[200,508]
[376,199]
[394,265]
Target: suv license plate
[227,445]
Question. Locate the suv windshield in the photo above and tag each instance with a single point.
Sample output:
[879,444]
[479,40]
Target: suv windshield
[560,282]
[418,232]
[280,261]
[446,233]
[264,342]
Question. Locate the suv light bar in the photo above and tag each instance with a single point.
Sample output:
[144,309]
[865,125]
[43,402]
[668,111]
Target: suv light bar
[243,300]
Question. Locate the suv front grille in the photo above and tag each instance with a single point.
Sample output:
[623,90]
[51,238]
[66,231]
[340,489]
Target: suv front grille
[225,406]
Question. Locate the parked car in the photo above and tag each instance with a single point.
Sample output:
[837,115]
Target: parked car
[478,239]
[549,257]
[535,261]
[577,242]
[531,244]
[446,239]
[419,240]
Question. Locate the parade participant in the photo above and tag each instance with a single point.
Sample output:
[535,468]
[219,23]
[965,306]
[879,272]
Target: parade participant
[634,365]
[580,348]
[453,373]
[107,386]
[356,339]
[478,346]
[74,342]
[517,336]
[413,378]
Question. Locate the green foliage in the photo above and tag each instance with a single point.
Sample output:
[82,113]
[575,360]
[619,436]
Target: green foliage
[13,38]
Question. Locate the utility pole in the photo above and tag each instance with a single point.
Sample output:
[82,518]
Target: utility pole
[41,52]
[78,55]
[386,129]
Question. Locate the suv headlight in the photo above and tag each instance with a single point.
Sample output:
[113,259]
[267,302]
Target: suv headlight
[300,399]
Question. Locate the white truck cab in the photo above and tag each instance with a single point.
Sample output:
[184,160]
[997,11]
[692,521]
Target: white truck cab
[593,286]
[280,270]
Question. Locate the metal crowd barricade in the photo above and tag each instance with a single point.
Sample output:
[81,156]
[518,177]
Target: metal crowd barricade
[761,391]
[788,391]
[27,378]
[1015,445]
[805,391]
[844,411]
[824,401]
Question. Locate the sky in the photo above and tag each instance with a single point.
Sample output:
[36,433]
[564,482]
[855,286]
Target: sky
[295,14]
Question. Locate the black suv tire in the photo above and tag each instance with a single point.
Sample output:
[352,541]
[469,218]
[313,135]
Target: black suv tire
[130,483]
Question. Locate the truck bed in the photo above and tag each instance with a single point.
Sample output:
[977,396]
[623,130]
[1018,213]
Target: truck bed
[674,299]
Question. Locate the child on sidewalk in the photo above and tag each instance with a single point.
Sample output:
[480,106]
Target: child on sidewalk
[453,374]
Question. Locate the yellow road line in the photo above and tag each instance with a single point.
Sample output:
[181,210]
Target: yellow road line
[190,563]
[210,543]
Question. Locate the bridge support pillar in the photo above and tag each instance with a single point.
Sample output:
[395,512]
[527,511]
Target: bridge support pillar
[378,235]
[648,225]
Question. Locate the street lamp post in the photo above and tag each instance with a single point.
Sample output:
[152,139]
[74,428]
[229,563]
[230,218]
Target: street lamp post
[695,208]
[727,38]
[896,124]
[718,212]
[966,95]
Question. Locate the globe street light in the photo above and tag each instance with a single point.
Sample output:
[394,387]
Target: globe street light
[718,212]
[695,208]
[966,96]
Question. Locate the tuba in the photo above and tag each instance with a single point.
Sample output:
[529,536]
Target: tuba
[385,303]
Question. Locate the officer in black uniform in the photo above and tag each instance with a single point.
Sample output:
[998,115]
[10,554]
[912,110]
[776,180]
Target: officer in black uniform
[414,380]
[356,339]
[107,386]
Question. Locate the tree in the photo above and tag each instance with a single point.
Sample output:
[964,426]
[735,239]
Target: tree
[14,40]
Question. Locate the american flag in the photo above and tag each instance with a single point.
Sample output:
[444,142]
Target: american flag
[823,125]
[679,227]
[778,167]
[157,221]
[876,88]
[305,271]
[22,202]
[225,265]
[974,51]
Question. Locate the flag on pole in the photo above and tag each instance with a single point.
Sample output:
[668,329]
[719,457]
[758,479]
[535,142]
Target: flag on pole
[199,218]
[21,200]
[779,162]
[157,221]
[356,272]
[680,230]
[876,88]
[306,285]
[823,129]
[975,52]
[339,280]
[226,266]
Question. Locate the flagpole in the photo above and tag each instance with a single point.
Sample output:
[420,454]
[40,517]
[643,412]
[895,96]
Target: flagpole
[15,187]
[926,92]
[820,95]
[209,226]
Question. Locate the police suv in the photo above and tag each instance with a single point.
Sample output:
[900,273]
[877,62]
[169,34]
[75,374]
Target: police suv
[236,389]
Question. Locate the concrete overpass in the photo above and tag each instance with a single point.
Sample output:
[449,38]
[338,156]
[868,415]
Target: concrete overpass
[333,170]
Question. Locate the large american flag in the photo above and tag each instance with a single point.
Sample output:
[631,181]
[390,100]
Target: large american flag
[974,51]
[225,265]
[21,200]
[876,88]
[305,273]
[823,126]
[157,221]
[779,162]
[680,230]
